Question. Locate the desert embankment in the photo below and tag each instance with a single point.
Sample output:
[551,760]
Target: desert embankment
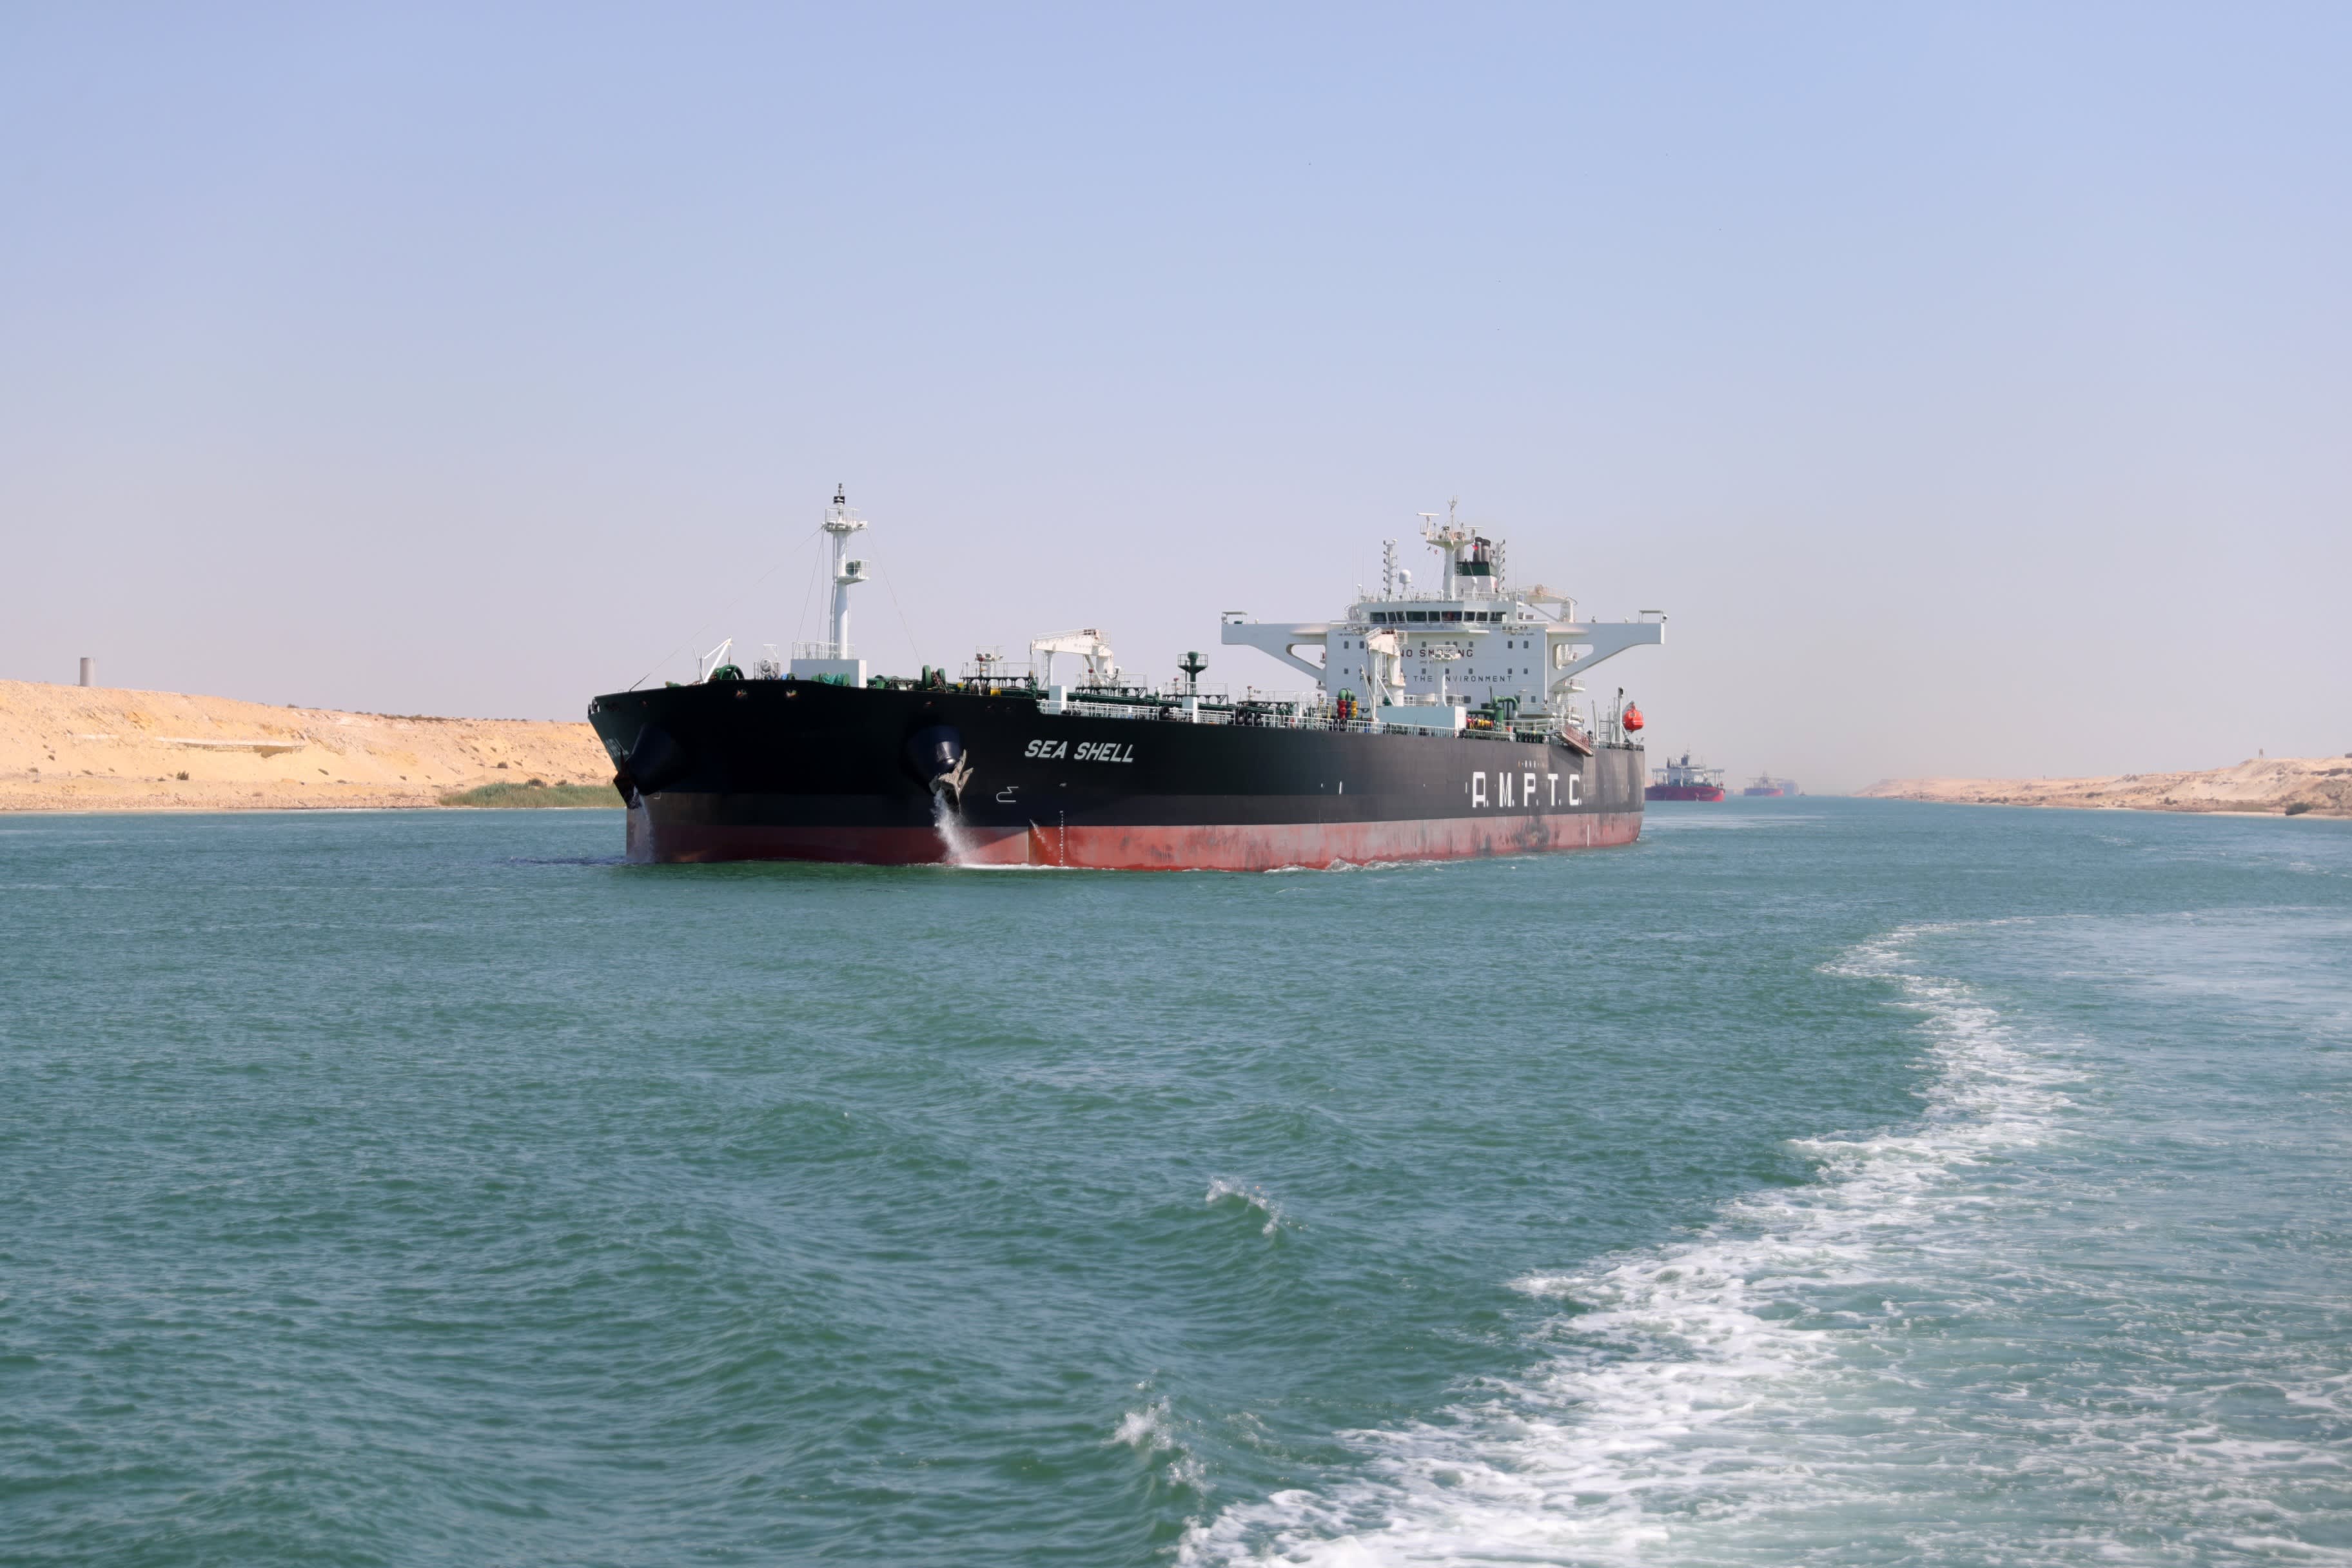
[2320,785]
[73,748]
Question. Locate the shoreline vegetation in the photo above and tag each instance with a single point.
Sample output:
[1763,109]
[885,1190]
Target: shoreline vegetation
[533,792]
[78,749]
[2272,786]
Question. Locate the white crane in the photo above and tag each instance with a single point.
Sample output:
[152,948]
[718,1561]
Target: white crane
[1096,665]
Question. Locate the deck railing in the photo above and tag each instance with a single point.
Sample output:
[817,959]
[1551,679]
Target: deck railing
[1283,716]
[1271,711]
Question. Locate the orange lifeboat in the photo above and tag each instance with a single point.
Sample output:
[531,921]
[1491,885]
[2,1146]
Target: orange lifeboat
[1632,720]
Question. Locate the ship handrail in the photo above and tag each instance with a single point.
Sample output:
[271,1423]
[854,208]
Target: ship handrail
[1282,716]
[1266,710]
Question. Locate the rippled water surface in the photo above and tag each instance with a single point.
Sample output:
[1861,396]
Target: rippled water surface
[1815,1182]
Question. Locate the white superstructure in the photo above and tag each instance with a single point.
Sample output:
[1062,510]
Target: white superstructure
[1421,658]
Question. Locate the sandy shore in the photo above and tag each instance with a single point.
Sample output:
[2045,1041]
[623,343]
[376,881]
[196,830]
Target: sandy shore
[71,747]
[2321,785]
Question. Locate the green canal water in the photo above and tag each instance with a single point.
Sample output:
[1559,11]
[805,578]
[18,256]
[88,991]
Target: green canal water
[1822,1181]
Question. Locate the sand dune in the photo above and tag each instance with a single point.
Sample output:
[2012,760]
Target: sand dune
[2320,786]
[71,747]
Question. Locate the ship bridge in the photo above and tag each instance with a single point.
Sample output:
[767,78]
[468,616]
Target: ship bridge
[1470,641]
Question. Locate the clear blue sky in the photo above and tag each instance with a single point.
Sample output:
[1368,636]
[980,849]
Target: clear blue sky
[1973,385]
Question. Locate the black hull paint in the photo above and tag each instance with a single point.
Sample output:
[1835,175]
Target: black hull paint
[795,770]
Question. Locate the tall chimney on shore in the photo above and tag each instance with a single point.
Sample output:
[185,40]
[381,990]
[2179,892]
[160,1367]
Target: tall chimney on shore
[89,668]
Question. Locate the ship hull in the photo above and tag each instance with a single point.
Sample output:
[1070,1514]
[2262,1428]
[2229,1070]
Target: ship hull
[1683,792]
[799,771]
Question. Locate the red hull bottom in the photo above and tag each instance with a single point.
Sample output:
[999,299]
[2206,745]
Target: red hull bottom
[1216,848]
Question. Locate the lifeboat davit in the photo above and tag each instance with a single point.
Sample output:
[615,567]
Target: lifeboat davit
[1632,720]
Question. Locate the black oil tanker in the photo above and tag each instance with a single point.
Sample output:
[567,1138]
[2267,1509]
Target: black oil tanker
[1442,727]
[734,769]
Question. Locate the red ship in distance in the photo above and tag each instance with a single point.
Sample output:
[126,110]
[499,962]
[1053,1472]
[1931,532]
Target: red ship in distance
[1681,779]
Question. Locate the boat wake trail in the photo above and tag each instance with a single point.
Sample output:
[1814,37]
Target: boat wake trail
[1690,1393]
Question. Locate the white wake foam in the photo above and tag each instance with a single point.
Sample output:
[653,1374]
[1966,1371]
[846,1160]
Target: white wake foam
[1221,1190]
[1151,1432]
[1659,1407]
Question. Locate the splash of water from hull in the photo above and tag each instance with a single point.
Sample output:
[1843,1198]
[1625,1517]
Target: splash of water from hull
[950,822]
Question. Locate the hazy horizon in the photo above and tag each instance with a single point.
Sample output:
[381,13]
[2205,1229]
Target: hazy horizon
[1969,387]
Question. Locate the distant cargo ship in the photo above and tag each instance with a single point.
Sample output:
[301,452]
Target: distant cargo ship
[1685,780]
[1768,786]
[1444,723]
